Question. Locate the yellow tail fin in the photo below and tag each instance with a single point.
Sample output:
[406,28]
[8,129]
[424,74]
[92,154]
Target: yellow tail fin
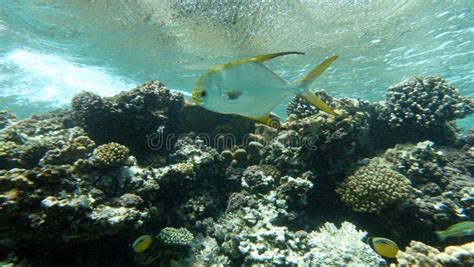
[316,72]
[317,102]
[309,79]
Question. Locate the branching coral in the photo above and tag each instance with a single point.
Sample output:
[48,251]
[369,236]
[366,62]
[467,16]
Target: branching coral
[423,108]
[425,102]
[339,247]
[373,187]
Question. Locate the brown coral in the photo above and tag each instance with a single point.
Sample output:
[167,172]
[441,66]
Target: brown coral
[373,187]
[110,155]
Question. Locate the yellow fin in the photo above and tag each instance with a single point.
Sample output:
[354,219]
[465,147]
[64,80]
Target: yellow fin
[260,59]
[317,102]
[316,72]
[441,235]
[263,58]
[271,120]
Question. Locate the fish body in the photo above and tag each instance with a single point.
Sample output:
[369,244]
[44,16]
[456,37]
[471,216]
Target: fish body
[248,88]
[383,246]
[457,230]
[142,243]
[245,85]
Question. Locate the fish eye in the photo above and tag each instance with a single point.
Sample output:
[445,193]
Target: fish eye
[203,93]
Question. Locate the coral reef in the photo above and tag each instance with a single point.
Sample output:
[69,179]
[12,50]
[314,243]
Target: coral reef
[374,187]
[421,108]
[6,118]
[241,158]
[109,155]
[78,186]
[442,181]
[328,143]
[284,153]
[300,108]
[42,141]
[36,202]
[77,146]
[86,106]
[440,195]
[130,117]
[328,246]
[220,130]
[250,228]
[425,101]
[420,254]
[175,236]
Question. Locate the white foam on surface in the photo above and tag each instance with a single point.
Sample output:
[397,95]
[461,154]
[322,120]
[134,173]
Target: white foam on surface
[36,77]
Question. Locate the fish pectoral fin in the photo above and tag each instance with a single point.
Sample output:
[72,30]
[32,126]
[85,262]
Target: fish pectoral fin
[263,58]
[233,94]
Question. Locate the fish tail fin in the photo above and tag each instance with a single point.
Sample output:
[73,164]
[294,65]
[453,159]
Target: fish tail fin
[316,72]
[309,79]
[317,102]
[441,235]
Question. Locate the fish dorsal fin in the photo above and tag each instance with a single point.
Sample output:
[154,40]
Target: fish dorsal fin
[259,59]
[263,58]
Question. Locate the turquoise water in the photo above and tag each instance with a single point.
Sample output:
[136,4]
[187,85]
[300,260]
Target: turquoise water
[50,50]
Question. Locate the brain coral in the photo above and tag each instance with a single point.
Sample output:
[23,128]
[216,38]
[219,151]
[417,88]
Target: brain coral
[110,155]
[373,187]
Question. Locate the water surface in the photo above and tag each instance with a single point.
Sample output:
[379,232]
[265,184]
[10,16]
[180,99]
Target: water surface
[53,49]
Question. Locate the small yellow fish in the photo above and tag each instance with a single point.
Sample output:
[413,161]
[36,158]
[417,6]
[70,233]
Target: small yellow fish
[383,246]
[142,243]
[457,230]
[248,88]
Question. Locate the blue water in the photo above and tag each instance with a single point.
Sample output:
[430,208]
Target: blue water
[52,49]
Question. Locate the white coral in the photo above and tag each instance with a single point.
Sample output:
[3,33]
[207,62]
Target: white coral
[343,246]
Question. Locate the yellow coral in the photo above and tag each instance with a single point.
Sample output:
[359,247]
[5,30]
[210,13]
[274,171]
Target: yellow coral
[185,168]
